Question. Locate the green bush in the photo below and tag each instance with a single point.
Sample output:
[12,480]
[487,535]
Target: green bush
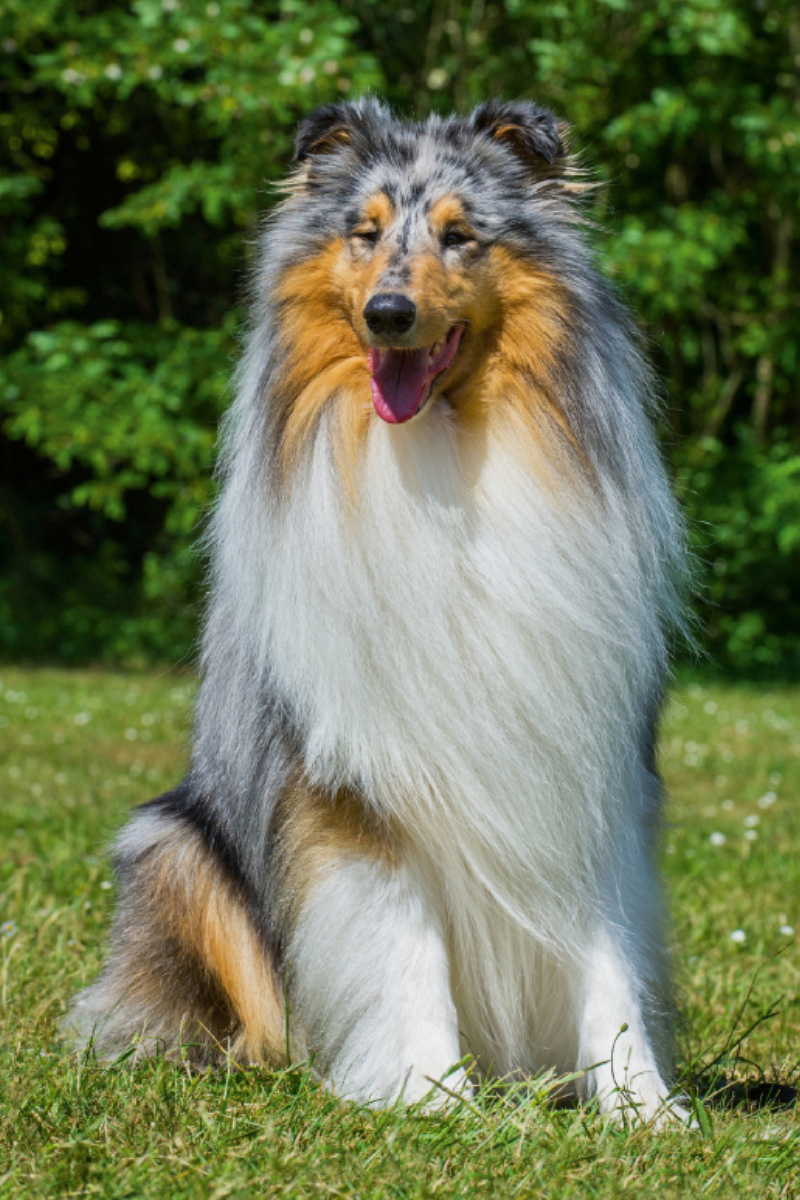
[126,416]
[138,144]
[743,502]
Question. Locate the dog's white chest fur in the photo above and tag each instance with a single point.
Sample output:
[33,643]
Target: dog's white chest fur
[466,648]
[465,641]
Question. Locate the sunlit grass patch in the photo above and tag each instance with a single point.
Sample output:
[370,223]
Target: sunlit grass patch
[79,749]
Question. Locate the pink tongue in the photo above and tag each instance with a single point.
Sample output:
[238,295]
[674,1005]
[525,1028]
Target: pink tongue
[399,383]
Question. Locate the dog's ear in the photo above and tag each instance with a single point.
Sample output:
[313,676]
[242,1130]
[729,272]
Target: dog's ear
[532,132]
[327,129]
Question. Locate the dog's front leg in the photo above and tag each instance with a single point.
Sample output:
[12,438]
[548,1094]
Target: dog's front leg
[620,1028]
[369,983]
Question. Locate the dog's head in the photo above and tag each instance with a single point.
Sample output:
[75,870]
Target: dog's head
[421,261]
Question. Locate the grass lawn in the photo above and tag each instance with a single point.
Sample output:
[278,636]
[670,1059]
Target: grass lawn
[77,750]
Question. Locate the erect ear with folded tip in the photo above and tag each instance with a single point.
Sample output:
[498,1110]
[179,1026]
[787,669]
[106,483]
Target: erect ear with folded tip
[327,129]
[532,132]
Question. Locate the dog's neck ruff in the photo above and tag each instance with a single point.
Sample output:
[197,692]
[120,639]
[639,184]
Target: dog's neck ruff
[465,645]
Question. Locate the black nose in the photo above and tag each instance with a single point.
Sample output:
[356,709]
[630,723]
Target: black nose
[390,312]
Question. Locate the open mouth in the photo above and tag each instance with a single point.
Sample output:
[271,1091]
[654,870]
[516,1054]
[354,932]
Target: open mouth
[402,380]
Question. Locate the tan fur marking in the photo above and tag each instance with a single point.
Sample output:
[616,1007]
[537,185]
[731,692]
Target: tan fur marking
[327,365]
[378,212]
[448,211]
[316,832]
[332,140]
[519,326]
[200,908]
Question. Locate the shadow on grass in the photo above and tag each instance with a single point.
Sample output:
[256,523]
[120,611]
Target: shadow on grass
[718,1091]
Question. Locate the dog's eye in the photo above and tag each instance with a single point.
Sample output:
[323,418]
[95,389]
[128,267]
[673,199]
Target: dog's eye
[455,237]
[370,236]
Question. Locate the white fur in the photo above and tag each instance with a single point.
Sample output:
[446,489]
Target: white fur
[476,646]
[368,973]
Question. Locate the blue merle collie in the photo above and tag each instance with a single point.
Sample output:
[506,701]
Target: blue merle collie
[416,839]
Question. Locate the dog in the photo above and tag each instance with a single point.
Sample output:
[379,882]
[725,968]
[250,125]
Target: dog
[415,844]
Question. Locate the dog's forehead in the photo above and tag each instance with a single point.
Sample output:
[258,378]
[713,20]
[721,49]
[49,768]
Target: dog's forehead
[416,172]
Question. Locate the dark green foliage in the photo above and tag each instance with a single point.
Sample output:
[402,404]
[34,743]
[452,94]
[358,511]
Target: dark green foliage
[137,146]
[744,503]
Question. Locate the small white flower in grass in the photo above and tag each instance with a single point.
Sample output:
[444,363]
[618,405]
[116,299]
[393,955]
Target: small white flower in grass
[739,936]
[8,929]
[727,805]
[751,834]
[113,71]
[751,820]
[180,45]
[786,930]
[106,885]
[766,800]
[153,73]
[82,718]
[131,734]
[717,839]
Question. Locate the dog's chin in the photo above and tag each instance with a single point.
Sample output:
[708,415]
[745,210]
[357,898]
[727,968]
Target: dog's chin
[403,379]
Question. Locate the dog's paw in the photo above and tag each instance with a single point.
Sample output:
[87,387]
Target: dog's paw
[442,1093]
[658,1110]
